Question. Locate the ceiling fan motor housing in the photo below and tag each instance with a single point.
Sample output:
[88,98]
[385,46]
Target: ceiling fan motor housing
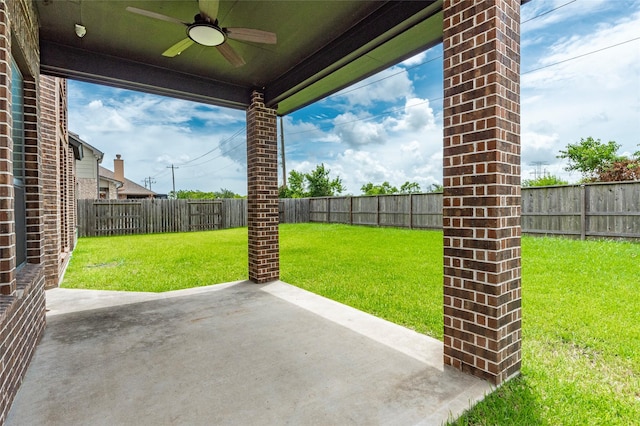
[206,34]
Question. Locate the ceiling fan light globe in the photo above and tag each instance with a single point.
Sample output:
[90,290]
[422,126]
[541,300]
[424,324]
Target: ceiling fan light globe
[206,34]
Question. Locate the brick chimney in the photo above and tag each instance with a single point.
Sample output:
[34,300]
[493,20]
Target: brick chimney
[118,168]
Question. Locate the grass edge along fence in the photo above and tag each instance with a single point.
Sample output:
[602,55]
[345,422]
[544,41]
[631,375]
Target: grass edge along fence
[600,210]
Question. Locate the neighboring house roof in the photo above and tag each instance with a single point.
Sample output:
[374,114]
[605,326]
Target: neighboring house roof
[128,187]
[109,175]
[76,140]
[76,144]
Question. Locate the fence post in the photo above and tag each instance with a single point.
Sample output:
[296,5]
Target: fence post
[377,210]
[351,210]
[583,212]
[410,211]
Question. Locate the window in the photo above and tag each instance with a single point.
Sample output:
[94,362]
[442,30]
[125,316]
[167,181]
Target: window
[17,113]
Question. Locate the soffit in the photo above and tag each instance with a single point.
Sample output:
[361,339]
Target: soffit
[322,46]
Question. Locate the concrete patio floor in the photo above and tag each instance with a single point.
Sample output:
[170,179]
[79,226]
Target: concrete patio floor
[236,353]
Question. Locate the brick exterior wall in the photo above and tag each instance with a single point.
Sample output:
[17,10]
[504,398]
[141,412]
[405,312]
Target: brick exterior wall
[88,189]
[482,296]
[50,161]
[33,173]
[22,299]
[21,327]
[59,185]
[7,224]
[262,191]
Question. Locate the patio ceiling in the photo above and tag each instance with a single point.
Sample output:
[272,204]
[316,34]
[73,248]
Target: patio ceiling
[322,46]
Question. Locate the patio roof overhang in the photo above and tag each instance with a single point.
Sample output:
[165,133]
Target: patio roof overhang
[322,47]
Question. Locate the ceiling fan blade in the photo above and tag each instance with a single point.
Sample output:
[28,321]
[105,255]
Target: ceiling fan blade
[178,48]
[230,55]
[209,8]
[155,15]
[248,34]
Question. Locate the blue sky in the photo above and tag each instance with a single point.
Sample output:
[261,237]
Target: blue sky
[580,77]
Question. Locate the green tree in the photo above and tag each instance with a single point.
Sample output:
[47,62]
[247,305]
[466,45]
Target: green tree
[548,180]
[321,185]
[226,193]
[409,188]
[385,188]
[296,187]
[187,194]
[436,188]
[318,183]
[590,157]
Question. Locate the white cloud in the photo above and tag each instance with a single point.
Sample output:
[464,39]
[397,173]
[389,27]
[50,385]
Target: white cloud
[417,115]
[596,95]
[540,14]
[387,86]
[152,133]
[415,60]
[354,131]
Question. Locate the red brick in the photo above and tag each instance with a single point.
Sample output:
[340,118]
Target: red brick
[481,179]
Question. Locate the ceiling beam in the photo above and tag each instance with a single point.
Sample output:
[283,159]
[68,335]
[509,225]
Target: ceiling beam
[69,62]
[389,20]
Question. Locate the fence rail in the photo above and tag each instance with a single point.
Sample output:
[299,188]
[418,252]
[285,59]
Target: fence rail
[610,210]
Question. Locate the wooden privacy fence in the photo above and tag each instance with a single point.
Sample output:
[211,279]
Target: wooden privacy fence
[602,210]
[420,211]
[147,216]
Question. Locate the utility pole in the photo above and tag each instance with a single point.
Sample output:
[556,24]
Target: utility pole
[539,172]
[284,166]
[173,178]
[149,181]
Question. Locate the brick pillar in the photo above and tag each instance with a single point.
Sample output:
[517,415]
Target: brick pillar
[7,224]
[481,213]
[262,191]
[33,173]
[51,177]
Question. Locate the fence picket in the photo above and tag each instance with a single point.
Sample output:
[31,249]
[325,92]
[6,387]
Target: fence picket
[582,211]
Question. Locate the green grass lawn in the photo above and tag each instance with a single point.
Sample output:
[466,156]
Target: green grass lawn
[581,302]
[158,262]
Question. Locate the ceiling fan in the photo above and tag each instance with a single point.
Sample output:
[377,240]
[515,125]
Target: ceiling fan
[206,31]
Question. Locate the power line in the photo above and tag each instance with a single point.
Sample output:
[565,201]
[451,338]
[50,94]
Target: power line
[581,56]
[343,92]
[389,112]
[187,163]
[216,147]
[149,181]
[548,11]
[216,157]
[384,113]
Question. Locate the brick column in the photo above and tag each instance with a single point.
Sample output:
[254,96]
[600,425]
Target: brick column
[481,213]
[7,224]
[262,191]
[33,173]
[52,178]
